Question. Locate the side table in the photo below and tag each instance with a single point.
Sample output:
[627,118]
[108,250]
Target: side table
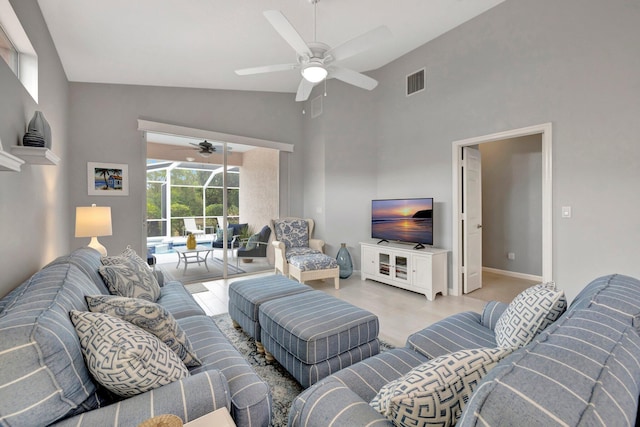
[219,418]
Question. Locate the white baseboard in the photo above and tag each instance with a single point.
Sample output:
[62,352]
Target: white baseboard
[513,274]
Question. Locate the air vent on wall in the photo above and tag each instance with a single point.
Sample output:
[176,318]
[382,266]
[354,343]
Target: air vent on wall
[415,82]
[316,106]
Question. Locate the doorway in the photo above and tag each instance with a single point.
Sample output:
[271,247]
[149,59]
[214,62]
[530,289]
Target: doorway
[229,190]
[460,250]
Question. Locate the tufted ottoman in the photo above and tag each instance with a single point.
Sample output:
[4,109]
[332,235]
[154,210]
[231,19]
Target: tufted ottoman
[245,297]
[313,334]
[314,267]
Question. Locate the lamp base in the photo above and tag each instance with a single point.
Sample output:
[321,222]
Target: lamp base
[97,246]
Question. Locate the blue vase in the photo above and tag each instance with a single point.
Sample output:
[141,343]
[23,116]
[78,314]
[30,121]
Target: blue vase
[344,261]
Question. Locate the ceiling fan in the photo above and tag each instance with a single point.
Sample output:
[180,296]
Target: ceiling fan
[205,148]
[316,60]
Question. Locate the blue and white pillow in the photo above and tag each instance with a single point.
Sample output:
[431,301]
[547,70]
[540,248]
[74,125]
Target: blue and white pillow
[129,267]
[293,232]
[124,358]
[436,392]
[149,316]
[125,280]
[529,314]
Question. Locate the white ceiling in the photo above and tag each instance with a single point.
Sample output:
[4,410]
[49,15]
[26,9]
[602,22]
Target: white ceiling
[199,43]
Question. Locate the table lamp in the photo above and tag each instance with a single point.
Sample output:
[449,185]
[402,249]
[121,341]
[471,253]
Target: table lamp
[94,221]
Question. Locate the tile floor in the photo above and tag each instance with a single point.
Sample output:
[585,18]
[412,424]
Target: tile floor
[400,312]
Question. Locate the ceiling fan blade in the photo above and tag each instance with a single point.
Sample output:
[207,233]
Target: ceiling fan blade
[353,78]
[304,90]
[287,32]
[266,69]
[359,44]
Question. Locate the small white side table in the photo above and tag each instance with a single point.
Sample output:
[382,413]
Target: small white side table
[219,418]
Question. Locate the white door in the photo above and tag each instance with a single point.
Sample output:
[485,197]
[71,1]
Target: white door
[472,222]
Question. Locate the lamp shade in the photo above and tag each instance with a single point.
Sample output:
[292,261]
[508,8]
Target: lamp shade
[93,221]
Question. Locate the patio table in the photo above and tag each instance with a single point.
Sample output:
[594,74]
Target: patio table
[190,256]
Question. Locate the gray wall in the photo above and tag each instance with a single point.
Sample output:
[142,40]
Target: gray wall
[512,204]
[573,63]
[34,207]
[103,128]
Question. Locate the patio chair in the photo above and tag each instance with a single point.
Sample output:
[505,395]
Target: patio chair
[191,227]
[256,246]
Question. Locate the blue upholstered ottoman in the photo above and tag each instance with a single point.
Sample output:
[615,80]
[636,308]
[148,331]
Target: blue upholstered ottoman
[245,297]
[313,334]
[314,267]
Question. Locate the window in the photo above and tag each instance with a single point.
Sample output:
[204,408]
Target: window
[16,49]
[8,52]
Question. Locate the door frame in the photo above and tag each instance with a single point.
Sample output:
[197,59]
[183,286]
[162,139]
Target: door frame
[545,130]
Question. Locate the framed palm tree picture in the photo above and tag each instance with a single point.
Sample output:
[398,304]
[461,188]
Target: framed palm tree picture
[107,179]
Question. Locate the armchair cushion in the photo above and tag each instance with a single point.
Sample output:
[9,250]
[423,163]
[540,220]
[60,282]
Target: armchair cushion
[293,232]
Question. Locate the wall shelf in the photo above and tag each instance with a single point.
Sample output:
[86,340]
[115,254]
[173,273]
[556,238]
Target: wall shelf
[9,162]
[35,155]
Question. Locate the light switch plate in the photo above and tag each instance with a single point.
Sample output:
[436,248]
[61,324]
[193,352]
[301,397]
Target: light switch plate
[566,212]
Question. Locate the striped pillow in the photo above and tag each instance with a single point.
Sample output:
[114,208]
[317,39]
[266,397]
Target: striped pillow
[125,359]
[436,392]
[529,314]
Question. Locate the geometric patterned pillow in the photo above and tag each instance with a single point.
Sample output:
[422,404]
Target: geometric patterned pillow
[123,358]
[436,392]
[149,316]
[529,314]
[124,280]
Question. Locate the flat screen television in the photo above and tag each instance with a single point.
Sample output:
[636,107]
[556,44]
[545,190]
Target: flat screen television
[403,220]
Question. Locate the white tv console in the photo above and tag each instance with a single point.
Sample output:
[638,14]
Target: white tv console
[419,270]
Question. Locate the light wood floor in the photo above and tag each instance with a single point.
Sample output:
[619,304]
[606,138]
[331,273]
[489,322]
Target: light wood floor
[400,312]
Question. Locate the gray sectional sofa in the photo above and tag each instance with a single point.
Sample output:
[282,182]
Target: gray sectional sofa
[44,380]
[582,370]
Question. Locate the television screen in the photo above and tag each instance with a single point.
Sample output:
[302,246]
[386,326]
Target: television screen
[404,220]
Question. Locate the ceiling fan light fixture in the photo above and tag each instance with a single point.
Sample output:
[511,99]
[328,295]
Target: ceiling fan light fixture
[204,154]
[314,72]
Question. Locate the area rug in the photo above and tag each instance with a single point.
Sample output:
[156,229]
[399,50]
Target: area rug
[197,273]
[284,388]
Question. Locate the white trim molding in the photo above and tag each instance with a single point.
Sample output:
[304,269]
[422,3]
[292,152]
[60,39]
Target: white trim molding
[524,276]
[165,128]
[545,130]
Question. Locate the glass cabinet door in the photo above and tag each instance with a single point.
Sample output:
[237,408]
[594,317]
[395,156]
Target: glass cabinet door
[384,264]
[401,268]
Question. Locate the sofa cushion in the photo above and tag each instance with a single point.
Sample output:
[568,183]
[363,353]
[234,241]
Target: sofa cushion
[583,370]
[87,260]
[125,281]
[149,316]
[435,393]
[124,358]
[529,314]
[43,377]
[130,258]
[460,331]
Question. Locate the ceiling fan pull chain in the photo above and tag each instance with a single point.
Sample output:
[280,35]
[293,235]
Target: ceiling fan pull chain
[325,87]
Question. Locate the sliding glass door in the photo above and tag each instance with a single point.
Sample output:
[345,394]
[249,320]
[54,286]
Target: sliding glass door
[223,199]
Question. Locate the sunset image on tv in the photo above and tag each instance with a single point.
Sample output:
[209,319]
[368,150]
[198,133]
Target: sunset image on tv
[405,220]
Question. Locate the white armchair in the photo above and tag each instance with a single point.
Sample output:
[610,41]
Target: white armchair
[292,238]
